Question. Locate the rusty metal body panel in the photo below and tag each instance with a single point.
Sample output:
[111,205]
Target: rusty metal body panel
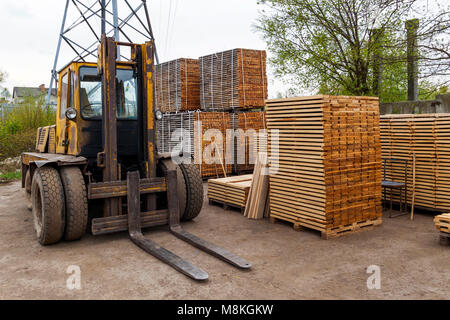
[42,159]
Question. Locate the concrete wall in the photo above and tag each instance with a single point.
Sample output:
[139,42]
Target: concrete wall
[440,105]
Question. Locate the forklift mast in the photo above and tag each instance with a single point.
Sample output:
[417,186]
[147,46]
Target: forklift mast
[142,62]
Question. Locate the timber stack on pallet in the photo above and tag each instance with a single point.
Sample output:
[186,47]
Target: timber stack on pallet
[442,223]
[170,136]
[234,79]
[177,85]
[252,139]
[326,174]
[231,191]
[212,156]
[427,138]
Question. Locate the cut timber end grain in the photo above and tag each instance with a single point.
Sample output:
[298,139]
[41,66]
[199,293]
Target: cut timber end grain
[177,85]
[326,174]
[233,79]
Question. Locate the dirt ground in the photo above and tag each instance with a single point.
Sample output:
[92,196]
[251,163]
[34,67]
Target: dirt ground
[286,264]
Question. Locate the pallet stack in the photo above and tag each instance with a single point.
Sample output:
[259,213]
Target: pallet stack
[231,191]
[425,137]
[442,223]
[234,79]
[252,141]
[326,173]
[213,157]
[177,85]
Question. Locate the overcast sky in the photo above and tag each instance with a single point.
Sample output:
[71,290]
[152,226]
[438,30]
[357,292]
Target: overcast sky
[30,32]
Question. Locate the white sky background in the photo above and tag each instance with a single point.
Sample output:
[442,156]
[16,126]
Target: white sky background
[30,32]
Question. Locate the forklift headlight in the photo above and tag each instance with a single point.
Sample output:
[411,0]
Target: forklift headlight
[71,114]
[159,115]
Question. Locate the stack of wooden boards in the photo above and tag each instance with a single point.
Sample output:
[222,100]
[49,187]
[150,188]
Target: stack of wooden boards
[427,137]
[233,79]
[325,162]
[442,223]
[187,131]
[211,152]
[177,85]
[231,191]
[252,139]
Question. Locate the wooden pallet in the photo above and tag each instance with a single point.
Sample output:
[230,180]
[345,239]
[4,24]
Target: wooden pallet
[226,206]
[442,223]
[326,172]
[334,232]
[234,79]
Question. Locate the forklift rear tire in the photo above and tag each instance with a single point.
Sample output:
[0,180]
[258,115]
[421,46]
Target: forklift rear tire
[28,182]
[47,195]
[76,203]
[190,189]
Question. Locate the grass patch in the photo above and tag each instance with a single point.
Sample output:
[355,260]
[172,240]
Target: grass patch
[10,176]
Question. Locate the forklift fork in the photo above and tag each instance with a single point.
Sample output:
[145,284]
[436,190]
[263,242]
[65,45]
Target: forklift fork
[135,232]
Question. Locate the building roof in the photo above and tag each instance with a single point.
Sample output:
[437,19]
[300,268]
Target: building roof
[21,92]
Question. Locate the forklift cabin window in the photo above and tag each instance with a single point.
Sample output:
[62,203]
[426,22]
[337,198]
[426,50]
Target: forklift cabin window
[91,94]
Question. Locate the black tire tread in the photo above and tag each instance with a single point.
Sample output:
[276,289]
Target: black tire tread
[76,203]
[194,191]
[52,193]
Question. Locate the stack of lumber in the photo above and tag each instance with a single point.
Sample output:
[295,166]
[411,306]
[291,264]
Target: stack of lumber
[233,79]
[211,152]
[251,139]
[176,131]
[231,191]
[427,138]
[258,200]
[177,85]
[442,223]
[326,173]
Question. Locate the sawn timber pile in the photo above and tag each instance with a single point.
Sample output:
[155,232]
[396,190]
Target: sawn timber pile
[427,137]
[177,85]
[234,79]
[326,174]
[230,191]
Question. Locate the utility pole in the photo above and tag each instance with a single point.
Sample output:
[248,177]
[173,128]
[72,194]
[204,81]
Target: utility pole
[412,27]
[377,60]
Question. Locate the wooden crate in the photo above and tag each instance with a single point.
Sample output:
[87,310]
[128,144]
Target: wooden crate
[427,138]
[233,79]
[177,85]
[326,173]
[231,191]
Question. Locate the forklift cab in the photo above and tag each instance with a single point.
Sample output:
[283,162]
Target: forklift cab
[79,111]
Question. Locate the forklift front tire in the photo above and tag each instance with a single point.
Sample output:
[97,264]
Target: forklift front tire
[47,195]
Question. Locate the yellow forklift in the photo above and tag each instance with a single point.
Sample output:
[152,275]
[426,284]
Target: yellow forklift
[98,167]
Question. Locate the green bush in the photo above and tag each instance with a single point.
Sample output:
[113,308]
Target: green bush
[18,128]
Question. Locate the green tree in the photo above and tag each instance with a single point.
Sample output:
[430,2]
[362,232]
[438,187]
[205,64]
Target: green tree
[337,46]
